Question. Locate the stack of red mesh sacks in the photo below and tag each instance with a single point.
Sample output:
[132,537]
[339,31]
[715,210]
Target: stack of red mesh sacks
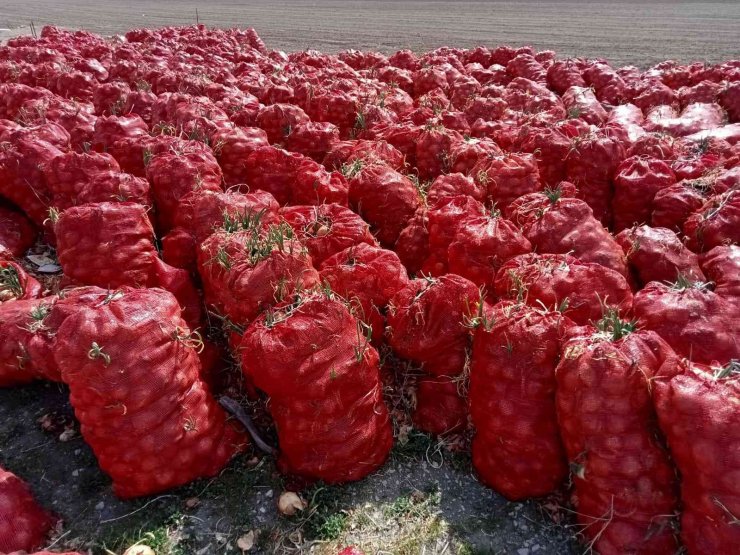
[132,367]
[427,325]
[312,359]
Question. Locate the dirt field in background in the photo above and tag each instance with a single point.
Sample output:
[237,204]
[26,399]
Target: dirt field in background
[624,32]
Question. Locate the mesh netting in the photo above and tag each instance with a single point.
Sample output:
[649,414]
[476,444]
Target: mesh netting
[16,232]
[20,321]
[559,281]
[657,254]
[517,449]
[321,376]
[200,213]
[636,182]
[722,266]
[367,277]
[23,523]
[111,245]
[561,224]
[243,274]
[134,376]
[698,412]
[327,229]
[426,322]
[173,175]
[385,198]
[624,485]
[696,322]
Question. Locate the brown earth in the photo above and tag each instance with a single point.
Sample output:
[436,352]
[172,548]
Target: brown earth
[624,32]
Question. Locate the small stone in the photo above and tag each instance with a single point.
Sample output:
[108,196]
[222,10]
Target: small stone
[100,506]
[269,494]
[246,542]
[139,549]
[75,473]
[523,551]
[289,503]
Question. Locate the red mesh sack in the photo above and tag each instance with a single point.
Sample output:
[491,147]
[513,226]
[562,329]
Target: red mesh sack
[246,272]
[579,290]
[729,98]
[692,119]
[327,229]
[508,177]
[705,91]
[232,147]
[433,151]
[313,139]
[439,405]
[367,277]
[592,163]
[384,198]
[480,247]
[636,182]
[654,94]
[485,108]
[347,152]
[426,322]
[444,220]
[16,283]
[278,120]
[657,254]
[24,524]
[564,74]
[174,174]
[673,205]
[22,178]
[655,145]
[17,234]
[698,410]
[403,137]
[412,245]
[465,154]
[19,321]
[624,485]
[134,377]
[109,98]
[722,266]
[716,223]
[555,222]
[696,322]
[550,147]
[516,448]
[293,178]
[455,184]
[111,245]
[625,123]
[200,213]
[322,380]
[109,129]
[525,65]
[80,178]
[581,102]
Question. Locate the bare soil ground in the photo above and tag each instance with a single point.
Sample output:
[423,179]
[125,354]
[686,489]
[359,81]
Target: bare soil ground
[640,32]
